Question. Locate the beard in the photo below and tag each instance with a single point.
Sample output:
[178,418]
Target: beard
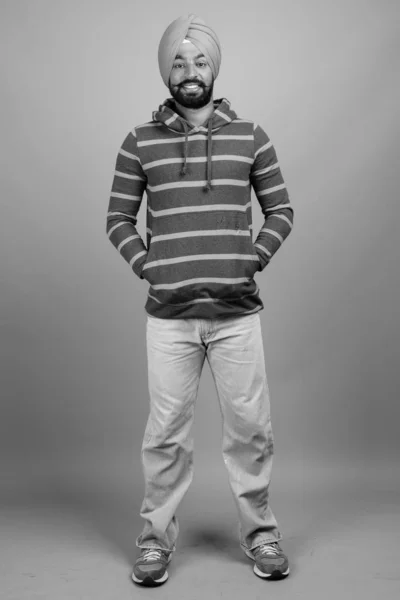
[192,99]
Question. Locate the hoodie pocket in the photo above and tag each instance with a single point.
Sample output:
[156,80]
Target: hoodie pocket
[253,266]
[146,273]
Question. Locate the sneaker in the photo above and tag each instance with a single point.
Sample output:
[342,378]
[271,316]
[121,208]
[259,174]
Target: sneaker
[151,567]
[271,562]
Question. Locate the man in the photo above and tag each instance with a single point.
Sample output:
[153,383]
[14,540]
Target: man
[197,161]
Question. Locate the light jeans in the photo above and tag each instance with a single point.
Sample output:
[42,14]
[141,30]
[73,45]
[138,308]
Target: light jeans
[176,349]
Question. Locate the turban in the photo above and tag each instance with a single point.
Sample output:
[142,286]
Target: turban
[196,31]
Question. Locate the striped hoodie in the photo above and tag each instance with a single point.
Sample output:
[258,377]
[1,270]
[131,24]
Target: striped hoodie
[200,259]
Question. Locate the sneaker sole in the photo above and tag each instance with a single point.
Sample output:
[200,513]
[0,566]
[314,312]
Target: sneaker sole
[274,575]
[149,581]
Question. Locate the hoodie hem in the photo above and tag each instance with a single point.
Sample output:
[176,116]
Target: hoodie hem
[219,308]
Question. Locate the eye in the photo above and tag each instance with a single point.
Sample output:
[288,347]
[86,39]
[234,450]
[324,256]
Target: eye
[202,64]
[178,66]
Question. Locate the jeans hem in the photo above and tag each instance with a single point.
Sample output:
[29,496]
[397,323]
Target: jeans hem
[155,547]
[260,542]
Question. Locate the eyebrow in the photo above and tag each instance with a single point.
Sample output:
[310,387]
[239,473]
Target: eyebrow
[179,57]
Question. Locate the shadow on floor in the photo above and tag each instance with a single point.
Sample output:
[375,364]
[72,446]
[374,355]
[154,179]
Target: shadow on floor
[208,540]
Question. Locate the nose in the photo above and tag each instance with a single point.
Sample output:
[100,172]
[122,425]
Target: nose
[191,71]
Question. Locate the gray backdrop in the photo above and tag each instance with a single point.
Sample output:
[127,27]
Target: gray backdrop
[320,78]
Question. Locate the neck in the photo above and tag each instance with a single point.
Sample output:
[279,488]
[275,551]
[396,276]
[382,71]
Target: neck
[196,116]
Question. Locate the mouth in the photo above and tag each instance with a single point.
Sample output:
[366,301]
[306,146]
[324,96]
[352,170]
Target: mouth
[191,87]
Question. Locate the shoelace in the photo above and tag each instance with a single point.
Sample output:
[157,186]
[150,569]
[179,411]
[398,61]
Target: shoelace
[269,549]
[152,554]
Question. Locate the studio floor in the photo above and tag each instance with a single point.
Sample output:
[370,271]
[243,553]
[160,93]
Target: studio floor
[76,541]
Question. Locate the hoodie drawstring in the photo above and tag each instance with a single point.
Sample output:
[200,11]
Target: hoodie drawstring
[208,185]
[183,170]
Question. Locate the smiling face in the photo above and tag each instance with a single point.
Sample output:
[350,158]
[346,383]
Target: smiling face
[191,81]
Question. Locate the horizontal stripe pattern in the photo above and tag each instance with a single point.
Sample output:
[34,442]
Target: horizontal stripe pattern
[263,249]
[128,176]
[151,125]
[200,233]
[195,257]
[129,155]
[199,280]
[125,196]
[212,300]
[266,170]
[126,241]
[199,257]
[196,159]
[271,190]
[200,184]
[136,256]
[263,149]
[199,208]
[222,115]
[191,138]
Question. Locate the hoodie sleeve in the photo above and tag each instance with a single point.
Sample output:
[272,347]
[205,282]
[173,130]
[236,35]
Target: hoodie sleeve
[126,196]
[270,189]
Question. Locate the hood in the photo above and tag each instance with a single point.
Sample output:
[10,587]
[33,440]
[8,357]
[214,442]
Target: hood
[166,113]
[222,115]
